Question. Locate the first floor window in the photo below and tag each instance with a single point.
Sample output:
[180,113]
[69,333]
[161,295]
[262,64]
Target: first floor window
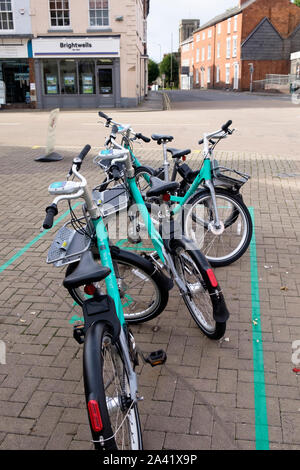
[98,12]
[209,52]
[59,12]
[197,76]
[6,15]
[218,74]
[203,54]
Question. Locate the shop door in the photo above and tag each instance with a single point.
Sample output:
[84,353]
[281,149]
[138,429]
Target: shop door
[16,78]
[106,86]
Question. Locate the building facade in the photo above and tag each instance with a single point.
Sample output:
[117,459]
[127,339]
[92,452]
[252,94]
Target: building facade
[87,53]
[244,44]
[15,41]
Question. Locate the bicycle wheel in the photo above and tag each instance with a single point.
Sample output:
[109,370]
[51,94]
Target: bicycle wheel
[113,416]
[227,244]
[142,175]
[202,299]
[143,289]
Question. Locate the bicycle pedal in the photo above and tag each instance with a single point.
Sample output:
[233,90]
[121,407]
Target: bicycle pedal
[79,333]
[156,358]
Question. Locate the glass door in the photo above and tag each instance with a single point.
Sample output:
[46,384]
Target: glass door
[105,77]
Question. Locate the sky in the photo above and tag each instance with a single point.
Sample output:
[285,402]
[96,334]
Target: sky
[165,16]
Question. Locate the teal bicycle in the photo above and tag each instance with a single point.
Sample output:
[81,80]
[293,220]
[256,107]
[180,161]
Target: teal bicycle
[172,252]
[215,216]
[110,354]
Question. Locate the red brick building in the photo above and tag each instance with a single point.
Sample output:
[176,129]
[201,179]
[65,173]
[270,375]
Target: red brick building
[259,32]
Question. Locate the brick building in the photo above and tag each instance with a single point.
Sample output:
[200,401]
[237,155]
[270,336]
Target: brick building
[259,32]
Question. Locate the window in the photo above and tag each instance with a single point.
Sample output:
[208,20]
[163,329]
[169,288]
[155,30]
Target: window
[198,38]
[228,48]
[203,54]
[6,15]
[218,74]
[235,27]
[209,33]
[203,35]
[197,55]
[68,77]
[59,13]
[197,76]
[209,52]
[219,28]
[98,12]
[229,25]
[227,74]
[218,50]
[87,77]
[50,73]
[234,46]
[208,74]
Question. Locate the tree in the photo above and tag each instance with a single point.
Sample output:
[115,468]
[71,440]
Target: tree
[153,71]
[169,67]
[297,2]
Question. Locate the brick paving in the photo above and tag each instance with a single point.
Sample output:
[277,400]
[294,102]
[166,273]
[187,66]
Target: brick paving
[203,397]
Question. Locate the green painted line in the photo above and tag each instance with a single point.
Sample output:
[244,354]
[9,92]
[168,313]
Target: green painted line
[260,402]
[138,247]
[32,242]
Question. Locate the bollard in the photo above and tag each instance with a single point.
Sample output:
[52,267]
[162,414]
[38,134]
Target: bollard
[51,155]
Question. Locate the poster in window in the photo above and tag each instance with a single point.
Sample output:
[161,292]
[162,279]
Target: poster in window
[69,79]
[87,83]
[51,83]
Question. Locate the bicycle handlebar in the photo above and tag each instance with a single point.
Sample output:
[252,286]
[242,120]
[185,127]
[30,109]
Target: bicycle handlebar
[226,126]
[122,128]
[142,137]
[51,213]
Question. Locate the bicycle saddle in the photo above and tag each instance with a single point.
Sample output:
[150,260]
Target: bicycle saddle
[160,187]
[159,138]
[86,272]
[178,153]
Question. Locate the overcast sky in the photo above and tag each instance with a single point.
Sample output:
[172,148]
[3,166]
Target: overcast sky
[165,16]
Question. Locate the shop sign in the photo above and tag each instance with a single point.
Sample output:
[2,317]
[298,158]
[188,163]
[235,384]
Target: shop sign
[76,47]
[10,48]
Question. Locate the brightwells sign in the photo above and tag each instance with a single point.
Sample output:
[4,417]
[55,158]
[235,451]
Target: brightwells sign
[75,45]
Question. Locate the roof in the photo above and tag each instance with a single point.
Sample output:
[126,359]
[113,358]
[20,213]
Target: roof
[264,20]
[227,14]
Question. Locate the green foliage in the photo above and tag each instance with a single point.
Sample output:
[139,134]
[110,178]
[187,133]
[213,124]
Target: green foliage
[297,2]
[153,71]
[170,69]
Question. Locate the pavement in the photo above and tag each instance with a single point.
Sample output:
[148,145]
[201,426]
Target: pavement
[237,393]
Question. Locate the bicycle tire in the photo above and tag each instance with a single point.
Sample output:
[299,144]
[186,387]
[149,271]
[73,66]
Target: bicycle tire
[190,261]
[117,425]
[145,272]
[237,230]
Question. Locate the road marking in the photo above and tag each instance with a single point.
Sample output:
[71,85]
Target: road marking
[260,402]
[32,242]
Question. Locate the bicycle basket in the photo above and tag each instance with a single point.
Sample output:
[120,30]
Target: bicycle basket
[228,177]
[68,246]
[112,200]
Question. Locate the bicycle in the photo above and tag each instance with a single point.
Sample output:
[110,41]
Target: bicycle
[185,265]
[225,219]
[109,354]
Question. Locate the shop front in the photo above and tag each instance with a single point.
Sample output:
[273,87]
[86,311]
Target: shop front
[14,71]
[77,72]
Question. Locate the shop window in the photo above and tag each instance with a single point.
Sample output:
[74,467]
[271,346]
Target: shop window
[87,77]
[59,13]
[104,62]
[6,15]
[68,77]
[98,11]
[51,83]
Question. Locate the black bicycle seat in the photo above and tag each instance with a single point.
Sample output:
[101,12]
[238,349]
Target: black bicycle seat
[86,272]
[178,153]
[159,138]
[160,187]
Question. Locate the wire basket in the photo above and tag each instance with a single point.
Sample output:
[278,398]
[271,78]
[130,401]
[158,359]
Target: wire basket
[228,177]
[112,200]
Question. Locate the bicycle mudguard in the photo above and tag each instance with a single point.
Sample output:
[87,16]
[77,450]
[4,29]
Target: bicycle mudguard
[220,311]
[101,308]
